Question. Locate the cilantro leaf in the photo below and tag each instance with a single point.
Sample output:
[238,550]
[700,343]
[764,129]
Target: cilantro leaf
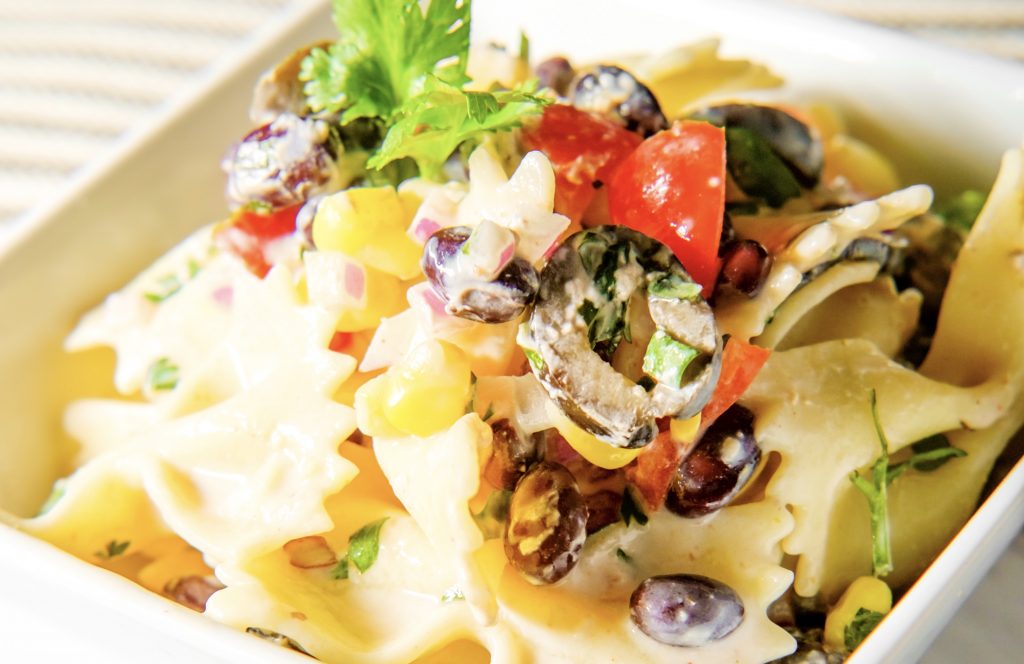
[386,48]
[876,491]
[492,517]
[962,211]
[340,571]
[163,375]
[623,556]
[364,545]
[863,622]
[452,594]
[672,286]
[928,454]
[431,126]
[630,511]
[113,549]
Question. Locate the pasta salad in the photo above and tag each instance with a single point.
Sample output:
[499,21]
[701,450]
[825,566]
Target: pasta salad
[499,359]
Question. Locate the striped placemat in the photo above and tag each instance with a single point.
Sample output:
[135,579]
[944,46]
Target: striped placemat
[76,74]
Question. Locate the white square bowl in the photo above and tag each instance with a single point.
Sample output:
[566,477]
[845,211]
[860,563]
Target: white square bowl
[946,115]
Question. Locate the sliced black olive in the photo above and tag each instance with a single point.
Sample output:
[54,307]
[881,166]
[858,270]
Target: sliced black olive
[788,137]
[613,91]
[556,74]
[581,315]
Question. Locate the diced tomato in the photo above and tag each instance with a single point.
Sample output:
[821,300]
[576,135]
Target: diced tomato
[654,469]
[584,150]
[248,233]
[741,362]
[672,188]
[341,342]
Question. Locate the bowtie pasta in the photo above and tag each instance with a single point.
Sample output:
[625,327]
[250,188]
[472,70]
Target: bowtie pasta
[512,361]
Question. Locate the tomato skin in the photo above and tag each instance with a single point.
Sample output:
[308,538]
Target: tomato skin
[654,470]
[584,151]
[672,188]
[248,233]
[741,362]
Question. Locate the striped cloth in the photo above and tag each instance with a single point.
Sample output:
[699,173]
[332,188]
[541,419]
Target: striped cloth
[76,74]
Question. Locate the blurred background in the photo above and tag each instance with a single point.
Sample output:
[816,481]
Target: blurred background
[78,76]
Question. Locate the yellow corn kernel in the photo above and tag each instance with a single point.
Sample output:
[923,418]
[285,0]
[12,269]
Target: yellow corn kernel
[684,431]
[429,389]
[866,592]
[867,170]
[369,407]
[385,296]
[595,451]
[369,224]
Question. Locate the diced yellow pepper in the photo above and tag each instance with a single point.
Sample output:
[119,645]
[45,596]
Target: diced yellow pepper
[385,296]
[429,388]
[684,431]
[369,406]
[595,451]
[866,592]
[369,224]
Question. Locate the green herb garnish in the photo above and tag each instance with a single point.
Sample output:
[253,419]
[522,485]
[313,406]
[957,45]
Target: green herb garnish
[877,494]
[536,361]
[56,493]
[491,519]
[363,547]
[666,359]
[163,375]
[757,169]
[863,622]
[623,556]
[364,544]
[401,66]
[630,511]
[673,286]
[452,594]
[962,211]
[928,454]
[113,549]
[165,287]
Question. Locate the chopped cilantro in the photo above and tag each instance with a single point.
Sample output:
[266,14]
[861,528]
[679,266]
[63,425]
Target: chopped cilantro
[630,511]
[757,169]
[452,594]
[962,211]
[340,571]
[113,549]
[928,454]
[163,375]
[536,361]
[56,493]
[489,413]
[863,622]
[492,517]
[364,545]
[673,286]
[165,287]
[666,359]
[876,491]
[623,556]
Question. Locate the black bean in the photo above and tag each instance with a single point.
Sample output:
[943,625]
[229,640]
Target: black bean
[685,609]
[547,524]
[719,466]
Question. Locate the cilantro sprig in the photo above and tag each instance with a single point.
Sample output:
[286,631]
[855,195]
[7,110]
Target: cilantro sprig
[402,66]
[927,455]
[863,622]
